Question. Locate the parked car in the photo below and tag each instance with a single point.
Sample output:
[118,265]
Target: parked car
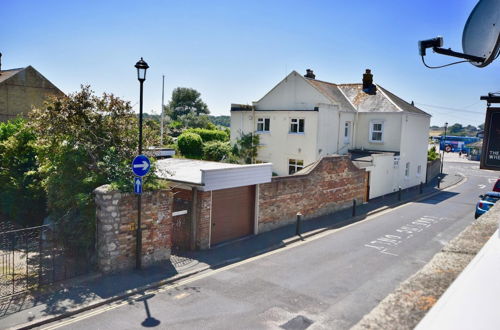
[486,201]
[496,187]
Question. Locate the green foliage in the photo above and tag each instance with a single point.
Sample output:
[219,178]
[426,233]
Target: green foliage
[432,154]
[247,148]
[196,121]
[208,135]
[83,142]
[216,151]
[190,145]
[22,198]
[221,120]
[185,101]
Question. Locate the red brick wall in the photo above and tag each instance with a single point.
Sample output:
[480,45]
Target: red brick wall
[203,218]
[330,186]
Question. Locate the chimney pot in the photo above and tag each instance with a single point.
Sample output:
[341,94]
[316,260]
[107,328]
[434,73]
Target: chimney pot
[310,74]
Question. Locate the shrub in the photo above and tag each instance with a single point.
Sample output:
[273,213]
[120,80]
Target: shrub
[190,145]
[22,198]
[208,135]
[432,154]
[216,150]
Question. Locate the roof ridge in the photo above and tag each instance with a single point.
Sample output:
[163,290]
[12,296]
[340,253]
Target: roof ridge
[383,91]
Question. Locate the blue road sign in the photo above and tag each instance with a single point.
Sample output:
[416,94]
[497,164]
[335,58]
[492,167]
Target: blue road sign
[141,165]
[138,185]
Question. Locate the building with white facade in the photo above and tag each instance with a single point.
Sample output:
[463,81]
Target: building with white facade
[303,119]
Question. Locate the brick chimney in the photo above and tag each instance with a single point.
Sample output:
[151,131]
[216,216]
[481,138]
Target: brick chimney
[310,74]
[368,86]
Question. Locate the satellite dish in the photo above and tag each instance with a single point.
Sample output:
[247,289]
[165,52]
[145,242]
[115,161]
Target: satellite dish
[481,36]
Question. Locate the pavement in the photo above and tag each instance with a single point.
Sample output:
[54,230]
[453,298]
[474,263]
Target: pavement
[85,293]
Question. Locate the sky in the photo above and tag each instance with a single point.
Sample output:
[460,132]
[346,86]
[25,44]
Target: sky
[236,51]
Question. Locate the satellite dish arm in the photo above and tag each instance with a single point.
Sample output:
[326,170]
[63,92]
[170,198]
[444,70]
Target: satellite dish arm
[450,52]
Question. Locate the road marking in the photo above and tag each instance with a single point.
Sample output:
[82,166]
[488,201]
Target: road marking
[174,285]
[481,186]
[384,243]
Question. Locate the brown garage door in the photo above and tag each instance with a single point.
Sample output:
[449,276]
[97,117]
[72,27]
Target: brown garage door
[232,213]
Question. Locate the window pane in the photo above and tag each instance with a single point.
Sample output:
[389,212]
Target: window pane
[267,124]
[377,127]
[291,169]
[293,128]
[301,125]
[259,127]
[300,162]
[376,136]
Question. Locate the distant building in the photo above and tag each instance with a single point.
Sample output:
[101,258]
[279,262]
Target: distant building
[21,89]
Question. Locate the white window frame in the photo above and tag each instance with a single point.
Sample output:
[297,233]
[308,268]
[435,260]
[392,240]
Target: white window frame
[262,121]
[407,170]
[296,122]
[295,164]
[372,130]
[419,171]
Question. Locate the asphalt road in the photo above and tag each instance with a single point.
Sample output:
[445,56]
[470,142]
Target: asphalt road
[327,282]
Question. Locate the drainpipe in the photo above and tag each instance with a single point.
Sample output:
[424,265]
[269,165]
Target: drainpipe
[338,136]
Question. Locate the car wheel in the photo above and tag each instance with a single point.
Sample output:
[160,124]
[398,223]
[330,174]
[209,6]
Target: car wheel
[476,216]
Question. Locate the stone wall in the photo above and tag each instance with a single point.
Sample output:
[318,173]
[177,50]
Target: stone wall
[433,169]
[329,185]
[116,228]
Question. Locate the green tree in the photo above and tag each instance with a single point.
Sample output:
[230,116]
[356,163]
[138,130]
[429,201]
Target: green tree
[192,120]
[216,151]
[432,154]
[455,129]
[185,101]
[84,141]
[247,148]
[22,198]
[190,145]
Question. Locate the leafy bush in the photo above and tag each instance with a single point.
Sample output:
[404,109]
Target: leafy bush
[247,148]
[208,135]
[216,150]
[432,154]
[22,198]
[84,141]
[190,145]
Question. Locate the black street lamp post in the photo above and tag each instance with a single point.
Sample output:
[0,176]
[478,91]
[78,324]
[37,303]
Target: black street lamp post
[141,66]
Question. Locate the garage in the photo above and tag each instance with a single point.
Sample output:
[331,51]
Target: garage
[233,213]
[221,199]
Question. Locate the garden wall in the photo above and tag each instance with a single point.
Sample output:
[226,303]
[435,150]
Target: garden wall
[329,185]
[116,228]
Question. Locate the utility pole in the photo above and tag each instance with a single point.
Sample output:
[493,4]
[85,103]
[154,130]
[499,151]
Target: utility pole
[162,110]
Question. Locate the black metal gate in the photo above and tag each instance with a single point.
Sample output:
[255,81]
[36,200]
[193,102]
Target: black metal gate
[33,257]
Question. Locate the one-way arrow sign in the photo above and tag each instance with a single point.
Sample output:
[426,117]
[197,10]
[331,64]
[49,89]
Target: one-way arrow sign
[138,185]
[141,165]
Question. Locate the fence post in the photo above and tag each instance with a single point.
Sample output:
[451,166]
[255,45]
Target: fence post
[399,194]
[298,227]
[439,181]
[421,187]
[353,207]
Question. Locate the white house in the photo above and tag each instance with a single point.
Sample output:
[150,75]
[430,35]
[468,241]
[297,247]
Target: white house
[302,119]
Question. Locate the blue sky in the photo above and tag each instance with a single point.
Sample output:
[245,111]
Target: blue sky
[234,52]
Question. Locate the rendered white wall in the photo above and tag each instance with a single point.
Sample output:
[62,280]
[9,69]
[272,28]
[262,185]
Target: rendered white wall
[391,133]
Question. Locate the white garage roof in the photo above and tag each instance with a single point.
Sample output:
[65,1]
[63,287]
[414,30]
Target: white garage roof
[212,175]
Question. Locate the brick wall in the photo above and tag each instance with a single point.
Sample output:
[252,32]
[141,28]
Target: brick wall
[204,214]
[330,185]
[116,228]
[433,169]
